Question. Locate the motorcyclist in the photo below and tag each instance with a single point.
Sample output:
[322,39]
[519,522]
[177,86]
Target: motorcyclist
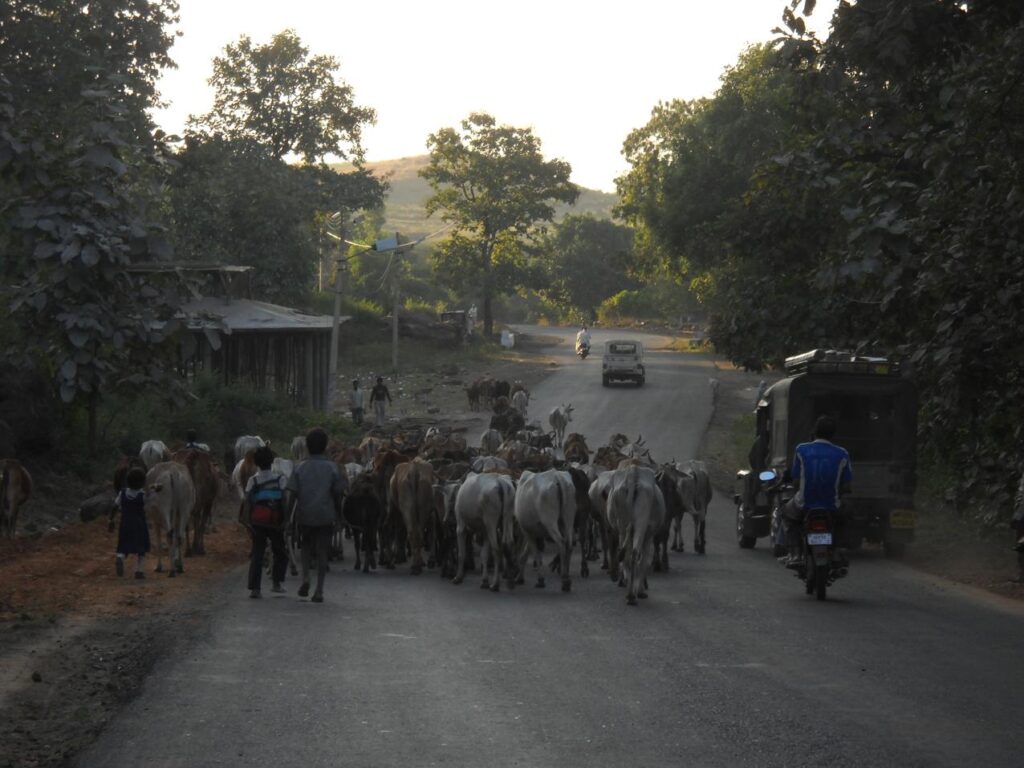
[583,339]
[823,473]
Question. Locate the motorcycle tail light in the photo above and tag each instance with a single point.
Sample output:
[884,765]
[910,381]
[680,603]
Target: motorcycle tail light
[819,525]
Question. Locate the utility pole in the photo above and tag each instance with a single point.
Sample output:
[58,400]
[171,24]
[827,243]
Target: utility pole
[394,313]
[341,265]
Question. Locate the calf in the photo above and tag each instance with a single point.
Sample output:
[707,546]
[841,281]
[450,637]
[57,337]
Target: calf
[582,524]
[598,495]
[363,511]
[636,509]
[559,419]
[473,395]
[15,490]
[669,479]
[170,498]
[701,500]
[484,508]
[545,508]
[412,496]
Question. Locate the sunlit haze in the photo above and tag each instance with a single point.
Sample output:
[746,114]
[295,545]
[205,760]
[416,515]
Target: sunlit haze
[581,74]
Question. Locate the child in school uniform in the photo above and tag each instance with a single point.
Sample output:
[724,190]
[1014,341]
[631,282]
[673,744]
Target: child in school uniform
[133,534]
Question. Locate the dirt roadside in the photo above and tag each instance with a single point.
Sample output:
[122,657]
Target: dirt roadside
[77,641]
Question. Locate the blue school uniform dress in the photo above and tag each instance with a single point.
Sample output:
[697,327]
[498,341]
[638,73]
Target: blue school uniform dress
[133,535]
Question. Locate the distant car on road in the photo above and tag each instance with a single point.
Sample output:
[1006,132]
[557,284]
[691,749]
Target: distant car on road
[623,361]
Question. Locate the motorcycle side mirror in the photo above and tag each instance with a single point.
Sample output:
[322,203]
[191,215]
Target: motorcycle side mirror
[768,476]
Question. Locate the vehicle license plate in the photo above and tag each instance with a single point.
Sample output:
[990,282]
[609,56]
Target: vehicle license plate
[901,518]
[819,539]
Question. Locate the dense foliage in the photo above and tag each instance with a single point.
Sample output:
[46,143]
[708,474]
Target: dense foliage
[493,186]
[78,163]
[863,192]
[586,261]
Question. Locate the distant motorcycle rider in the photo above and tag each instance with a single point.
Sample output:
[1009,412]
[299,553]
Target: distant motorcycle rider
[583,339]
[822,471]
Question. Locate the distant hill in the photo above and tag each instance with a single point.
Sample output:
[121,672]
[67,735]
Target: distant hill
[404,211]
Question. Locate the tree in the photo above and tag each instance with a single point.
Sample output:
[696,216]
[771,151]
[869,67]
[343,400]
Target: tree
[587,260]
[76,158]
[492,184]
[708,212]
[235,206]
[235,199]
[283,100]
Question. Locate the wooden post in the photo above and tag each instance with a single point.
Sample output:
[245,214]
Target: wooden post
[308,384]
[332,368]
[394,324]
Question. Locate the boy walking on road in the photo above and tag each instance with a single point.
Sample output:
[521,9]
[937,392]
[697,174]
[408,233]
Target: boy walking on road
[264,514]
[316,489]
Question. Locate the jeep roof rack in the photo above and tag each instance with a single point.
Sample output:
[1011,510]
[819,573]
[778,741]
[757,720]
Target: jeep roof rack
[840,361]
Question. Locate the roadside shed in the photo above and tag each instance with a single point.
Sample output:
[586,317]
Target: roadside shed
[267,346]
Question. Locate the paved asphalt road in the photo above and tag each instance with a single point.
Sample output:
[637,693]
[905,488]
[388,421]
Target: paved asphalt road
[727,663]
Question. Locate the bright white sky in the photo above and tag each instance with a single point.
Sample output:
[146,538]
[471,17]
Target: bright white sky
[581,73]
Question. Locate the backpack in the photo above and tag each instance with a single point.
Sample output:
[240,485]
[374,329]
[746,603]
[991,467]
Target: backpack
[266,502]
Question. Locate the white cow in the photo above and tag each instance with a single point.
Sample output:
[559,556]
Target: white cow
[299,450]
[521,401]
[170,497]
[484,504]
[696,493]
[353,470]
[282,466]
[490,442]
[545,509]
[559,419]
[153,452]
[636,509]
[247,443]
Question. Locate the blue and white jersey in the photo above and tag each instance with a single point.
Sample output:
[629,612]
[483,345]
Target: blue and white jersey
[820,467]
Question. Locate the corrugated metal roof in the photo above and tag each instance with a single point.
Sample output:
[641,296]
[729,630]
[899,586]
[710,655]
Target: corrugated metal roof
[246,315]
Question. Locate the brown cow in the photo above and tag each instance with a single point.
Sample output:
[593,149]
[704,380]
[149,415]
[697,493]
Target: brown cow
[575,449]
[473,395]
[15,490]
[412,496]
[204,477]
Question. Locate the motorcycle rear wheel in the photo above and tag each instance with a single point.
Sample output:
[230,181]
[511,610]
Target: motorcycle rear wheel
[820,581]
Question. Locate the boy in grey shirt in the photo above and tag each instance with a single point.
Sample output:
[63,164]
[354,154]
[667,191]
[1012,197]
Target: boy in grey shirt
[316,489]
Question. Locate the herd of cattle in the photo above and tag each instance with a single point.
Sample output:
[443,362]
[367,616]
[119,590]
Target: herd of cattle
[427,497]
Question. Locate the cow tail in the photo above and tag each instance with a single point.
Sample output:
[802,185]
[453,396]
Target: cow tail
[4,482]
